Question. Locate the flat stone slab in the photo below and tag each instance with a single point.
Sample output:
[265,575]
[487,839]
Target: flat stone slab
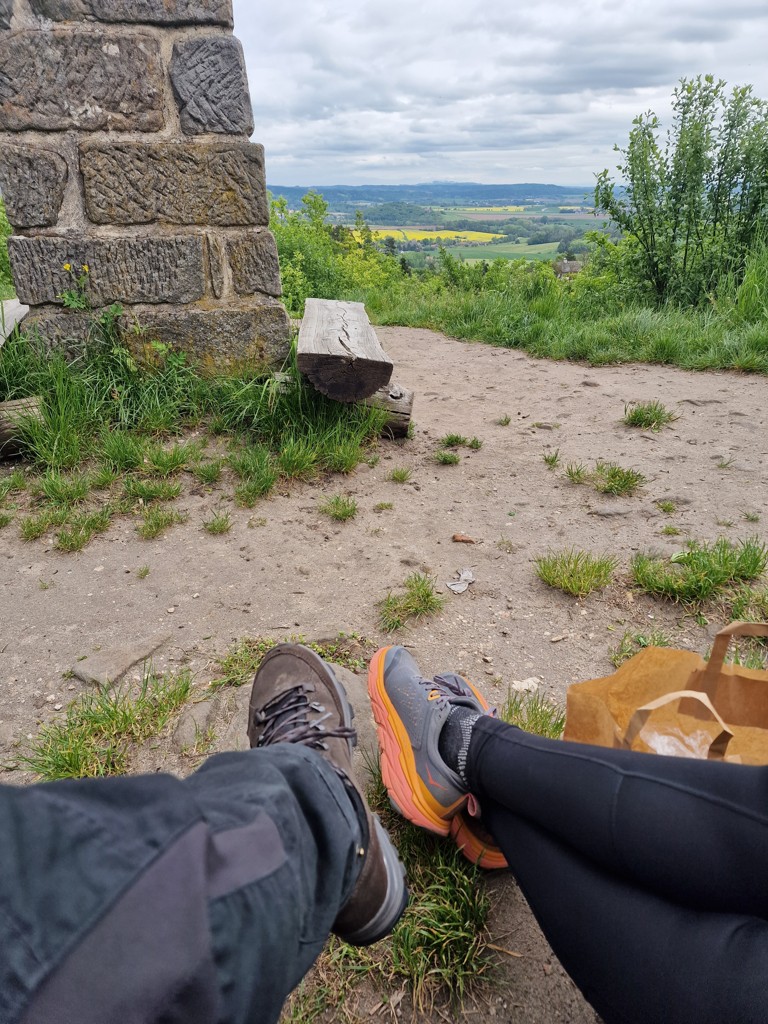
[211,87]
[152,12]
[214,183]
[12,312]
[59,79]
[110,665]
[32,182]
[131,270]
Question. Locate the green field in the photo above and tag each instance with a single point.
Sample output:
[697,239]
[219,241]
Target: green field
[506,251]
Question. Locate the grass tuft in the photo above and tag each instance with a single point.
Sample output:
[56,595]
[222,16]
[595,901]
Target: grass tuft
[453,441]
[575,572]
[220,522]
[647,415]
[208,472]
[339,507]
[400,475]
[239,664]
[98,730]
[552,459]
[447,458]
[701,571]
[534,713]
[148,491]
[632,642]
[612,479]
[577,472]
[420,599]
[157,520]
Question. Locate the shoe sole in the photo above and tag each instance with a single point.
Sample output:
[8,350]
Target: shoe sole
[407,793]
[484,855]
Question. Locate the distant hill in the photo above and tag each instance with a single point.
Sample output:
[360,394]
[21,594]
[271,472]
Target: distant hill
[439,193]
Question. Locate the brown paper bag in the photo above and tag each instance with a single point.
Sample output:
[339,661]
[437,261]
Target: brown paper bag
[673,702]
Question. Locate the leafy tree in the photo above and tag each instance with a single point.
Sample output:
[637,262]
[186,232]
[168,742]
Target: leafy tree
[695,200]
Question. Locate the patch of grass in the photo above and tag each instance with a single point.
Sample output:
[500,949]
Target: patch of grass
[534,713]
[632,642]
[299,456]
[339,507]
[14,483]
[256,469]
[97,732]
[142,572]
[63,490]
[420,599]
[36,526]
[120,450]
[725,463]
[728,523]
[577,472]
[667,507]
[507,546]
[167,461]
[157,520]
[750,517]
[447,458]
[149,491]
[82,528]
[576,572]
[220,522]
[504,421]
[749,604]
[400,475]
[475,444]
[647,415]
[208,472]
[701,571]
[383,506]
[453,441]
[239,664]
[6,518]
[612,479]
[340,453]
[670,531]
[552,459]
[102,478]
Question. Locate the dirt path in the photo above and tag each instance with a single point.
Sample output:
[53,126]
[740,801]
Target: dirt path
[284,568]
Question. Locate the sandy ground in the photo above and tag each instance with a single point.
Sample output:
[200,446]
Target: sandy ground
[284,568]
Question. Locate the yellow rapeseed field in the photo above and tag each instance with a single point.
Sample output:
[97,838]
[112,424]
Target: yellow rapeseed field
[420,235]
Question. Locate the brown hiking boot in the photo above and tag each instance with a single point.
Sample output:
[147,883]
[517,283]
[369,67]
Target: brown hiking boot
[296,698]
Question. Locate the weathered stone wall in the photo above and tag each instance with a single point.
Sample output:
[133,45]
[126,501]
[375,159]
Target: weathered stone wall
[124,128]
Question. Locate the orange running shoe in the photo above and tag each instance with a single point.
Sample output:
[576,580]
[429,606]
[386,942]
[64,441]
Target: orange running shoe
[410,711]
[477,845]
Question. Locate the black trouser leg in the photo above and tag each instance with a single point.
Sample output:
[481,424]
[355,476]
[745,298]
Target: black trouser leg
[647,874]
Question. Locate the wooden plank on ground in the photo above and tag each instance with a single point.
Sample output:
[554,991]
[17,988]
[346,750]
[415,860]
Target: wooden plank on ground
[12,312]
[11,415]
[339,352]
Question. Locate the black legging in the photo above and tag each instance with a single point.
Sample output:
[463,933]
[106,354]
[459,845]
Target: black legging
[647,874]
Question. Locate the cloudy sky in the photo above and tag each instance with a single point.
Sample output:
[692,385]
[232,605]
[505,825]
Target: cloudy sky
[403,91]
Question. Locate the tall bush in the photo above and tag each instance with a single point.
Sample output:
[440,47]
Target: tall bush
[694,201]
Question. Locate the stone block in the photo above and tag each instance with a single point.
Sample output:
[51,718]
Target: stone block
[6,10]
[120,269]
[254,263]
[216,183]
[32,182]
[219,338]
[150,12]
[86,79]
[211,86]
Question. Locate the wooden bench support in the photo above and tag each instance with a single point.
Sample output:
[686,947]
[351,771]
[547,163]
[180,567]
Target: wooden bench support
[398,403]
[11,414]
[339,352]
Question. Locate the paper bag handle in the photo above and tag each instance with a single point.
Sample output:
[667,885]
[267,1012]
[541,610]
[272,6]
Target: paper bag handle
[719,744]
[714,667]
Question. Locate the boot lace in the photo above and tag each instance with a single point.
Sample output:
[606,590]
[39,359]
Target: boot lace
[286,719]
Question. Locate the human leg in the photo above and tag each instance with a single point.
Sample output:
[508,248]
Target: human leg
[695,832]
[195,900]
[647,874]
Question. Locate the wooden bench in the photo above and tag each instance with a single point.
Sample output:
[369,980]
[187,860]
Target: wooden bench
[338,351]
